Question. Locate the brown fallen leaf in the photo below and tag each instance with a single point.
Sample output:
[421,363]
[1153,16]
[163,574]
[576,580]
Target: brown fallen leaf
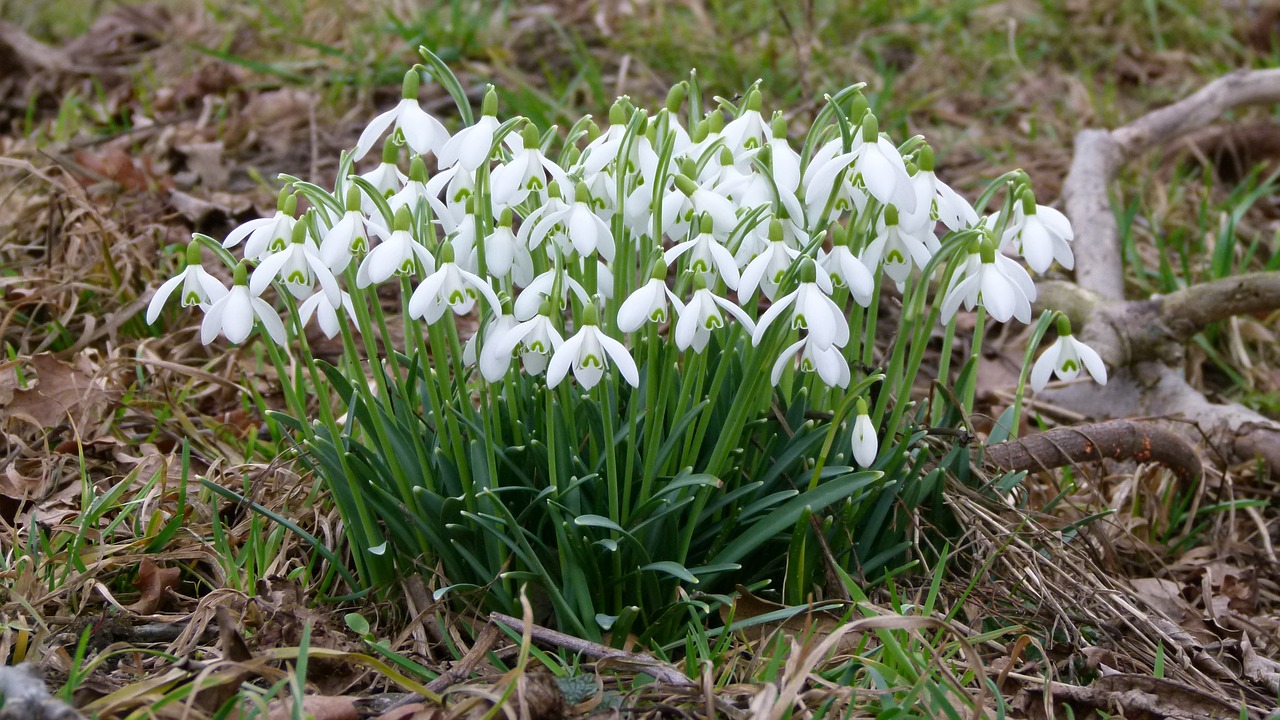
[60,392]
[319,707]
[155,582]
[820,623]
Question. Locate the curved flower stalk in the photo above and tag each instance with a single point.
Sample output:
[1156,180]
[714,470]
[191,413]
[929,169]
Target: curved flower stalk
[1065,357]
[236,313]
[198,286]
[422,132]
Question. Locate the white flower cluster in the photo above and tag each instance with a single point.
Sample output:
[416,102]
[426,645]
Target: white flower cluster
[647,222]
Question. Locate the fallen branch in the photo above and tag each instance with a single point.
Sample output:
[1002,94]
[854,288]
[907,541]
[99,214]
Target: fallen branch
[1099,154]
[1113,440]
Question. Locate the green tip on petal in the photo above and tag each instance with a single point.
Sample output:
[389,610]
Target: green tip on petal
[300,231]
[1064,325]
[530,136]
[704,223]
[417,169]
[409,88]
[590,315]
[1028,199]
[505,219]
[862,406]
[754,101]
[778,126]
[446,252]
[581,193]
[618,113]
[490,105]
[687,186]
[870,128]
[924,158]
[193,252]
[353,198]
[890,215]
[240,276]
[808,270]
[403,220]
[676,96]
[390,150]
[715,121]
[775,230]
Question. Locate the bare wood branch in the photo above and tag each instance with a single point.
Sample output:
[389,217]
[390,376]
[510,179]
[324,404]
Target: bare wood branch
[1113,440]
[1099,155]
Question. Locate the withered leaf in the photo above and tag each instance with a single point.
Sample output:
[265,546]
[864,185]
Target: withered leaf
[155,582]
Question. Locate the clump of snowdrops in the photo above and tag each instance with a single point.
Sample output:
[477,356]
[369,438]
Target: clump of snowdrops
[638,360]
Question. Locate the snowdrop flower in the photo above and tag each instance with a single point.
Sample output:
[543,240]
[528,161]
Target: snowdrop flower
[414,189]
[877,164]
[895,250]
[536,338]
[707,256]
[692,201]
[527,170]
[449,287]
[266,234]
[471,146]
[500,248]
[396,253]
[326,313]
[865,443]
[233,315]
[935,200]
[605,149]
[386,178]
[1065,357]
[298,266]
[648,303]
[504,323]
[991,280]
[813,310]
[423,133]
[766,269]
[702,314]
[845,269]
[198,286]
[1040,234]
[552,206]
[588,353]
[828,362]
[347,237]
[585,231]
[749,129]
[541,287]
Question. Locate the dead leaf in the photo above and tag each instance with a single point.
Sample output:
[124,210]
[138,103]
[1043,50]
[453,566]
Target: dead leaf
[414,711]
[155,583]
[319,707]
[819,623]
[60,392]
[1164,596]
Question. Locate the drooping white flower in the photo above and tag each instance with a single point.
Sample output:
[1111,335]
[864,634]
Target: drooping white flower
[749,129]
[266,235]
[701,315]
[234,315]
[470,146]
[422,132]
[896,250]
[992,280]
[813,310]
[395,255]
[692,202]
[707,256]
[877,166]
[347,237]
[541,287]
[326,313]
[503,323]
[585,231]
[828,362]
[500,248]
[198,286]
[526,172]
[535,338]
[299,266]
[414,190]
[845,269]
[449,287]
[1040,234]
[935,200]
[648,303]
[386,178]
[865,443]
[588,353]
[1065,357]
